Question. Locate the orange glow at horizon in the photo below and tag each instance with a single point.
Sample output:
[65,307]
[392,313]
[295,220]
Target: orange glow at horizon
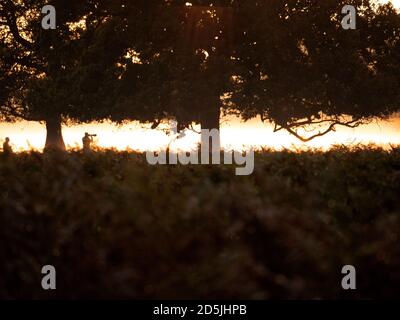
[234,135]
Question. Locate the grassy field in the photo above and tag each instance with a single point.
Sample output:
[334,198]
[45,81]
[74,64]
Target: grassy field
[115,227]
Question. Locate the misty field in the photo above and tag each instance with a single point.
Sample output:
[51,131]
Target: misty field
[116,227]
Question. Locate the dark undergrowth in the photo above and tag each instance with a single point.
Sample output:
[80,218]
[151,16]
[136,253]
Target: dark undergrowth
[116,227]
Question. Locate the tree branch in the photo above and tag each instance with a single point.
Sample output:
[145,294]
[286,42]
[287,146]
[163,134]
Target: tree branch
[332,127]
[9,12]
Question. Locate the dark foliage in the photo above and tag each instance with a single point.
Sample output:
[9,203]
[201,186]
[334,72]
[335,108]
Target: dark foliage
[115,227]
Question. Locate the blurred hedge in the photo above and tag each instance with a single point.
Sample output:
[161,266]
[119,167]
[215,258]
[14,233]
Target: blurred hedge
[115,227]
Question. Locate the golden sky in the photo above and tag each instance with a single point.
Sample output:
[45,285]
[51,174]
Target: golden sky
[234,134]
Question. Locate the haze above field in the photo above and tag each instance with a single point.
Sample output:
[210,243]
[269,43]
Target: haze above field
[234,134]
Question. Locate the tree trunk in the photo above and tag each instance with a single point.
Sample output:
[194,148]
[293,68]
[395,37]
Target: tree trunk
[209,121]
[54,138]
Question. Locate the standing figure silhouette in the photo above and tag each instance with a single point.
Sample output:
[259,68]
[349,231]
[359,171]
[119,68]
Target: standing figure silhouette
[87,141]
[7,149]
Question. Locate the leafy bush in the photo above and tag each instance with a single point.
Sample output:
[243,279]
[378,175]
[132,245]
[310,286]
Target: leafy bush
[116,227]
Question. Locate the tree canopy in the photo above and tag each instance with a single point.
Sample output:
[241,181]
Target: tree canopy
[301,68]
[66,73]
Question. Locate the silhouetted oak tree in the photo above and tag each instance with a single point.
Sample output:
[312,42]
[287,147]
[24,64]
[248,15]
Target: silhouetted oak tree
[62,74]
[290,62]
[182,64]
[298,66]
